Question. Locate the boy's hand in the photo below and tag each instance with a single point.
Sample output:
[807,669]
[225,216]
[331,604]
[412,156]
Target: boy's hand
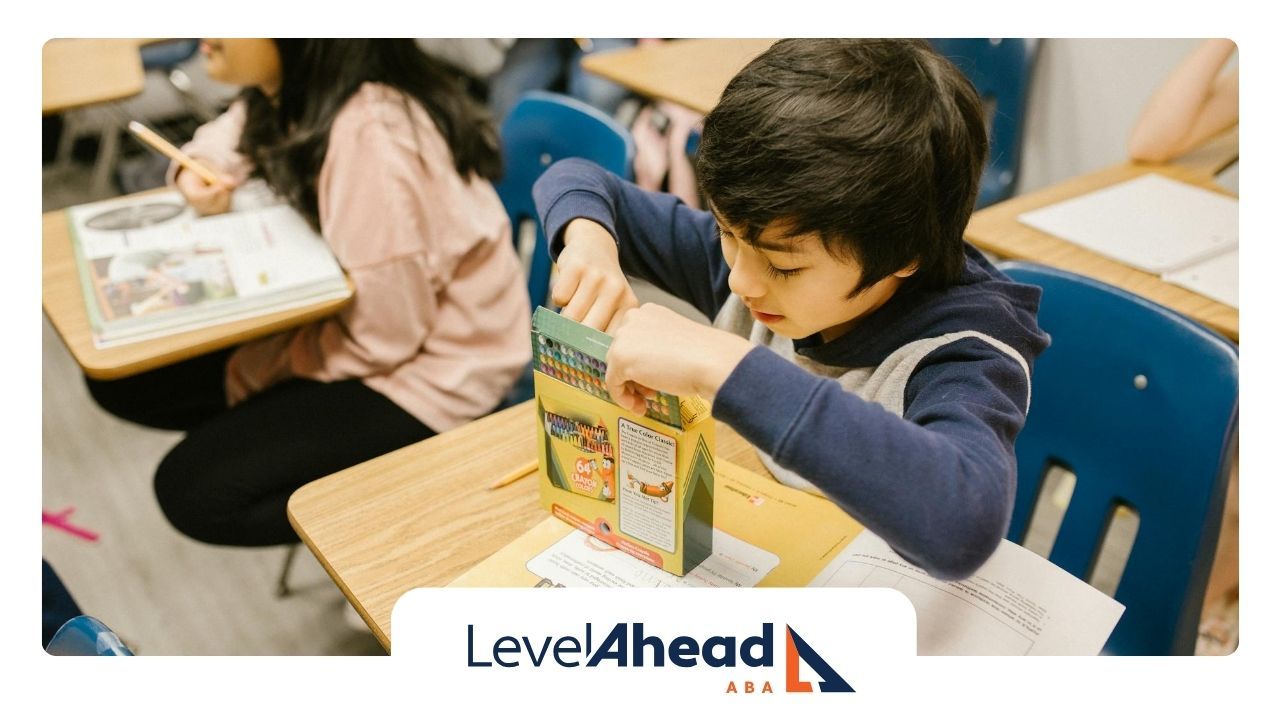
[656,349]
[590,286]
[205,199]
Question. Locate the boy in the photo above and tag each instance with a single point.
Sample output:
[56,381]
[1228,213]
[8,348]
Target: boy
[859,343]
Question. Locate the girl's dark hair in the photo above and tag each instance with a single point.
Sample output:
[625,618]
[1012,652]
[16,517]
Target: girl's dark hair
[876,145]
[287,139]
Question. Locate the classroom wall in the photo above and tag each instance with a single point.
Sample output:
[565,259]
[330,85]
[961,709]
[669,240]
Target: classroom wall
[1085,96]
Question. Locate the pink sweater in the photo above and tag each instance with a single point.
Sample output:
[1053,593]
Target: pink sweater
[440,319]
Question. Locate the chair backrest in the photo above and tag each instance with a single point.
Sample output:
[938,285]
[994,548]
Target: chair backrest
[166,54]
[1140,404]
[86,635]
[1000,69]
[542,128]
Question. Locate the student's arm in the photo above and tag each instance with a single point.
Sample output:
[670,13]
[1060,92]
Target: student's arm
[1192,105]
[214,145]
[937,484]
[379,203]
[659,238]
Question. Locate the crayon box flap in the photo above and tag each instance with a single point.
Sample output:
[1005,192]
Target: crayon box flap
[575,354]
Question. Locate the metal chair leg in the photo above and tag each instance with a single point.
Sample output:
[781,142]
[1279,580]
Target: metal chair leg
[71,126]
[108,154]
[282,584]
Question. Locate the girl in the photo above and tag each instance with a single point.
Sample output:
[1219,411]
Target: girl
[379,149]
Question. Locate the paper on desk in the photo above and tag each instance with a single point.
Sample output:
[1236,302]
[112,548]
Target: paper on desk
[1151,223]
[1217,278]
[765,533]
[1017,603]
[580,560]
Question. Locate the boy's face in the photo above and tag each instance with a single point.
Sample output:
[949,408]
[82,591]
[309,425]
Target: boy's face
[792,285]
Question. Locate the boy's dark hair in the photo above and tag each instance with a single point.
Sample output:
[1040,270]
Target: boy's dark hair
[877,145]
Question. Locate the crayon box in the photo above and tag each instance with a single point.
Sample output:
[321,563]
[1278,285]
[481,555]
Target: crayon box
[644,484]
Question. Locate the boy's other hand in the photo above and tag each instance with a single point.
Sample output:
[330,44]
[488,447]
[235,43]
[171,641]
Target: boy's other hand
[205,199]
[657,349]
[590,285]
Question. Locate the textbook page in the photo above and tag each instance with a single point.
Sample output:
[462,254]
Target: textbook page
[1018,603]
[1151,223]
[150,267]
[254,252]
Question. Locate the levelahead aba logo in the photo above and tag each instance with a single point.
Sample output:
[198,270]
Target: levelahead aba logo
[797,650]
[629,645]
[649,647]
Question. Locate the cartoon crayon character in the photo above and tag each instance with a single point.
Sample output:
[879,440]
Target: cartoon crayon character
[606,478]
[662,491]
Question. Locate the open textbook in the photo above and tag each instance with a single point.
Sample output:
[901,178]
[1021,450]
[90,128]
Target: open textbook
[767,534]
[149,266]
[1185,234]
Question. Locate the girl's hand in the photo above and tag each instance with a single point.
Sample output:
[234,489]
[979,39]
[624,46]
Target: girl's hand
[205,199]
[657,349]
[590,286]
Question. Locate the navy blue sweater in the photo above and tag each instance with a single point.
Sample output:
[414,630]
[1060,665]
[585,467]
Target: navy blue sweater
[907,421]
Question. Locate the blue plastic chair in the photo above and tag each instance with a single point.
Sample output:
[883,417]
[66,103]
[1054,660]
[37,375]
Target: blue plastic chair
[86,635]
[1141,404]
[1000,69]
[167,54]
[542,128]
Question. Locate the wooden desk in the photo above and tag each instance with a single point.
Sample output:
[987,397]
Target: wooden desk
[996,229]
[423,515]
[692,73]
[63,302]
[79,72]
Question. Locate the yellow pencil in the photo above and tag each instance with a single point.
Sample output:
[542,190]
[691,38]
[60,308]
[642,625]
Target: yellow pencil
[166,148]
[514,475]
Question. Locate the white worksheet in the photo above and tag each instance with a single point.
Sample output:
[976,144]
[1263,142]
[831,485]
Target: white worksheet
[1017,603]
[1151,223]
[580,560]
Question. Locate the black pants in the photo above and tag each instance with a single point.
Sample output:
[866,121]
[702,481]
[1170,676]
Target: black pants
[230,478]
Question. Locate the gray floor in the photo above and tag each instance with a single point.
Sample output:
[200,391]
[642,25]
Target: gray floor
[165,594]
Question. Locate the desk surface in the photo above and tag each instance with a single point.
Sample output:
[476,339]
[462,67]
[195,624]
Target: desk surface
[78,72]
[996,229]
[63,302]
[692,73]
[423,515]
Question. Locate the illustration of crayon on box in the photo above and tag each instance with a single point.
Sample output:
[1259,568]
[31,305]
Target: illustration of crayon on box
[645,484]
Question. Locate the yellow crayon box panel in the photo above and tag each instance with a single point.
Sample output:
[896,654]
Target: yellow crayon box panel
[642,483]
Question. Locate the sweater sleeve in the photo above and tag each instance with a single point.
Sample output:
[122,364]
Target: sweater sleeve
[660,239]
[937,484]
[375,212]
[215,144]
